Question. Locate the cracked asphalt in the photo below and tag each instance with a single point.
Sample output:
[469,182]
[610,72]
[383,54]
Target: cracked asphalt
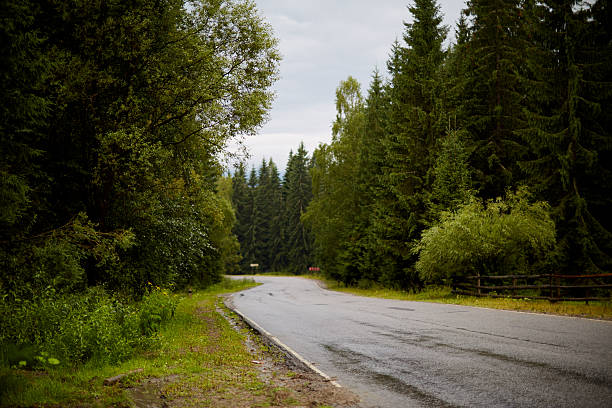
[414,354]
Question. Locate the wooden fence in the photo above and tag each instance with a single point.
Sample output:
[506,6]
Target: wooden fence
[551,287]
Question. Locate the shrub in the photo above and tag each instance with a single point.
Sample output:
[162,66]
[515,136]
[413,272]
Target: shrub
[503,236]
[157,307]
[74,328]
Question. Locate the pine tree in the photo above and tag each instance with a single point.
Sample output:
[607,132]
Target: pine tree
[250,250]
[414,124]
[569,129]
[452,179]
[297,189]
[372,162]
[494,94]
[274,210]
[454,76]
[261,197]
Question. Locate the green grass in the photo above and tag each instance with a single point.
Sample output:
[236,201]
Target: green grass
[204,357]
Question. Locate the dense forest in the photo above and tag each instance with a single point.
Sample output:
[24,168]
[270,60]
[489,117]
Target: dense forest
[491,156]
[114,117]
[268,225]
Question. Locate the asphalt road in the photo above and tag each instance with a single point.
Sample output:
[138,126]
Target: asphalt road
[413,354]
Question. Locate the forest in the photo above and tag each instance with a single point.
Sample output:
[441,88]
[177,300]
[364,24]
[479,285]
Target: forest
[490,156]
[114,119]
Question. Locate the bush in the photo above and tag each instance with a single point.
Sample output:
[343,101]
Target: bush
[76,328]
[157,308]
[503,236]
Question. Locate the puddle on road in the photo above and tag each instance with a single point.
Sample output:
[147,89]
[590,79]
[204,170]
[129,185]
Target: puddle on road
[148,393]
[146,398]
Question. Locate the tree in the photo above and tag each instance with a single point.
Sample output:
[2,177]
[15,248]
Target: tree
[222,236]
[274,212]
[414,125]
[241,202]
[494,92]
[297,189]
[336,214]
[452,179]
[568,129]
[124,108]
[250,249]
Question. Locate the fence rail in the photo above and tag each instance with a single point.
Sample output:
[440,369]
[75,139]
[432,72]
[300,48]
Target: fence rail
[552,287]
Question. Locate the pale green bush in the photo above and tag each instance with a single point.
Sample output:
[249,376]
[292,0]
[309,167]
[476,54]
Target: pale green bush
[497,237]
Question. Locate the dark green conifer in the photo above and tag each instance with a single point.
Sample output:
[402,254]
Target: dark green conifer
[413,126]
[493,92]
[569,135]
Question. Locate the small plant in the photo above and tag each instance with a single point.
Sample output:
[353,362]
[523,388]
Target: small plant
[157,308]
[26,357]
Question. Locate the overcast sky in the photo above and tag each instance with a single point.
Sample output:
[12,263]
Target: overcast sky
[322,42]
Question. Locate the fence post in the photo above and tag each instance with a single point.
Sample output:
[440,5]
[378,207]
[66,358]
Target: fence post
[478,283]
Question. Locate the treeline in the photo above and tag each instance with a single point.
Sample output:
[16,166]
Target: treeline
[493,156]
[268,215]
[113,119]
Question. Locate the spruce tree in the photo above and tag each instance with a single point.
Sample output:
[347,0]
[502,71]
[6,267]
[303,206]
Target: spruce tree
[261,220]
[297,189]
[569,129]
[274,212]
[250,250]
[241,201]
[337,214]
[372,161]
[414,124]
[493,92]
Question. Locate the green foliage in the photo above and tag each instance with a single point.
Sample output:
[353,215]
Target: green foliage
[452,180]
[156,309]
[73,328]
[57,258]
[522,98]
[493,91]
[336,214]
[268,225]
[26,357]
[568,130]
[497,237]
[297,192]
[113,116]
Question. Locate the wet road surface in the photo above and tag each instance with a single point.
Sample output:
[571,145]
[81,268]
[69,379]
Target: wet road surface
[413,354]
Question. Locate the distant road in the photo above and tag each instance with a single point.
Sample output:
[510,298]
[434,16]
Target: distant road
[414,354]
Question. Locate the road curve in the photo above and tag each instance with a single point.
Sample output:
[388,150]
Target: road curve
[414,354]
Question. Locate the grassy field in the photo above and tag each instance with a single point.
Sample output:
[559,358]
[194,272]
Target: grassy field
[594,310]
[201,361]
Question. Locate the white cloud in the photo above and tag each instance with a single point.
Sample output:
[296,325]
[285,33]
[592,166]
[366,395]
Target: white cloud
[322,43]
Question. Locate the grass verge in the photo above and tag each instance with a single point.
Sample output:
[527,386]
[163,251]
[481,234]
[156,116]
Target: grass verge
[200,361]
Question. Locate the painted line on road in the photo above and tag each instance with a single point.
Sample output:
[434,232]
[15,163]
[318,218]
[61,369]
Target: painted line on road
[283,346]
